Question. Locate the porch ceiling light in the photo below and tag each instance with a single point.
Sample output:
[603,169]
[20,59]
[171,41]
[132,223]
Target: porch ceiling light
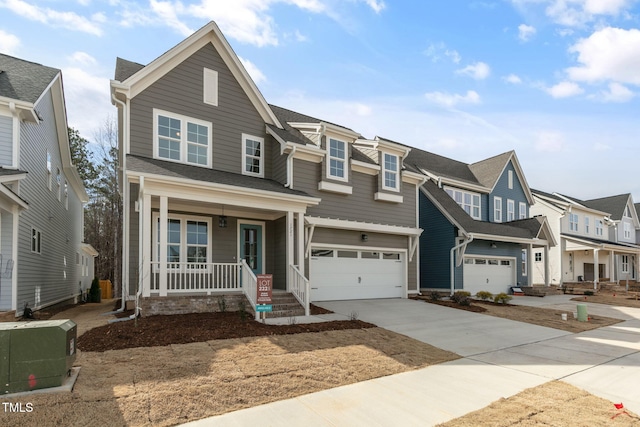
[222,220]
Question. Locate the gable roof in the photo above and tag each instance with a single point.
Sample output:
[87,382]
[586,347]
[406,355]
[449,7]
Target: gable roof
[612,204]
[135,81]
[488,171]
[440,165]
[523,230]
[24,80]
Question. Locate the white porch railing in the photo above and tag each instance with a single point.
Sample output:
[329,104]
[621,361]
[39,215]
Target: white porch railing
[249,285]
[299,287]
[197,277]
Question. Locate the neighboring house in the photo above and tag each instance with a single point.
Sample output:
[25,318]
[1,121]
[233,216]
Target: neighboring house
[41,194]
[475,217]
[599,232]
[220,186]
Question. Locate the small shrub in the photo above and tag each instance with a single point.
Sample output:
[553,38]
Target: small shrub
[501,298]
[242,310]
[484,295]
[588,293]
[222,304]
[353,316]
[459,295]
[464,301]
[435,296]
[95,293]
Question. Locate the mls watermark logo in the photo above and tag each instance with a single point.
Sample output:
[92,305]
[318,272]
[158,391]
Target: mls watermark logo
[17,407]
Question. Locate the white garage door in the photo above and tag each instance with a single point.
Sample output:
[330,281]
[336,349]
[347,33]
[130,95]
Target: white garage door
[342,274]
[488,274]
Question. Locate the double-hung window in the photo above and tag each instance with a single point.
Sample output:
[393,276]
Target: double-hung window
[522,210]
[470,202]
[187,240]
[625,263]
[390,172]
[336,167]
[586,225]
[573,222]
[511,210]
[182,139]
[599,227]
[497,209]
[253,155]
[627,230]
[36,241]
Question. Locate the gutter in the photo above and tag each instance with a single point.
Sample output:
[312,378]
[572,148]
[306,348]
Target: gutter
[463,244]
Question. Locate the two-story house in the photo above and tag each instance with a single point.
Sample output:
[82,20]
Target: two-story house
[219,186]
[599,232]
[41,194]
[476,219]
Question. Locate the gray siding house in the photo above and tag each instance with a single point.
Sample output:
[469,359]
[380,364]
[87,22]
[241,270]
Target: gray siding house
[41,194]
[219,187]
[476,219]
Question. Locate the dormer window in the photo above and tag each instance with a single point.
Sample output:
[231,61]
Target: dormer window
[337,160]
[181,139]
[253,152]
[390,169]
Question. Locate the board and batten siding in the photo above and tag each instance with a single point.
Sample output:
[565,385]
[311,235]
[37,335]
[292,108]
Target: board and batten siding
[44,279]
[358,206]
[436,242]
[180,91]
[6,141]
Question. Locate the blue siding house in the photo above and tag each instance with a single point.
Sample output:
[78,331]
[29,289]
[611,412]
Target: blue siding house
[475,217]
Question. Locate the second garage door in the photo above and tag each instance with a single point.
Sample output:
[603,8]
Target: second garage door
[488,274]
[343,274]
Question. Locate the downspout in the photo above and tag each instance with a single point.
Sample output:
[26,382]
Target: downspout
[453,249]
[289,183]
[125,199]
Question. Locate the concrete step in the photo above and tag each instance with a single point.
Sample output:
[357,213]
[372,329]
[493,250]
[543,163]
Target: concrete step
[284,304]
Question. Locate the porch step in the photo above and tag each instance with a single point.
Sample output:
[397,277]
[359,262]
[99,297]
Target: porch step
[284,305]
[540,291]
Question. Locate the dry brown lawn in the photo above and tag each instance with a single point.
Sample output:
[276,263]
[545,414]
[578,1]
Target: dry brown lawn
[610,298]
[164,386]
[555,403]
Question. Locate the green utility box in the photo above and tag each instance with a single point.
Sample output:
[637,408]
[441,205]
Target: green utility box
[35,355]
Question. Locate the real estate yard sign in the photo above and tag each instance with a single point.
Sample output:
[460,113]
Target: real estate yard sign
[265,288]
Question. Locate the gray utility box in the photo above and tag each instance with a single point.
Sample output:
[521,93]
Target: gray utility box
[34,355]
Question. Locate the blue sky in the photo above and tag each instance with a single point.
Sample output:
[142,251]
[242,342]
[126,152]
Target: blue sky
[558,81]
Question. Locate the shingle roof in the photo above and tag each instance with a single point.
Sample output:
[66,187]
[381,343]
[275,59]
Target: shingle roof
[525,228]
[6,172]
[489,170]
[615,205]
[179,170]
[23,80]
[601,241]
[440,165]
[126,69]
[285,115]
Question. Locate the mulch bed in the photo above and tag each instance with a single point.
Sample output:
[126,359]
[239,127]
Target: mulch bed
[473,308]
[155,331]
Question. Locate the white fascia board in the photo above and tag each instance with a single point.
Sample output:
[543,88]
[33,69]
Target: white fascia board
[547,230]
[366,143]
[549,204]
[13,177]
[363,167]
[343,224]
[393,148]
[25,110]
[341,132]
[13,198]
[335,188]
[465,185]
[413,177]
[507,239]
[279,140]
[309,153]
[181,183]
[313,127]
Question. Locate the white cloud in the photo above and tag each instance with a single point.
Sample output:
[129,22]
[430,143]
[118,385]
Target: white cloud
[574,13]
[168,12]
[255,73]
[525,32]
[601,147]
[564,89]
[513,79]
[478,71]
[8,43]
[67,20]
[436,51]
[608,54]
[549,142]
[453,55]
[82,58]
[85,94]
[377,6]
[451,100]
[617,93]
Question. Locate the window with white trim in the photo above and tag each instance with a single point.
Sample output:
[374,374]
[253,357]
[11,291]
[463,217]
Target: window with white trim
[188,239]
[587,220]
[210,87]
[253,155]
[538,256]
[337,156]
[36,241]
[59,182]
[627,230]
[624,260]
[497,209]
[524,262]
[522,210]
[573,222]
[390,170]
[511,210]
[470,202]
[49,170]
[510,179]
[599,227]
[182,139]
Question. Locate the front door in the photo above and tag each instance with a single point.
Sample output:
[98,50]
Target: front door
[251,246]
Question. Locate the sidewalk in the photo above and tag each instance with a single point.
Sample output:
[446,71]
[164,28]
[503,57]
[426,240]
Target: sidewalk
[605,362]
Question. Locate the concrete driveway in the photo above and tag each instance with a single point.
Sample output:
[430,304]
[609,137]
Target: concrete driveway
[501,358]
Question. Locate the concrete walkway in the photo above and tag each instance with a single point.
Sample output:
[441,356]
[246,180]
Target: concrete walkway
[501,358]
[88,316]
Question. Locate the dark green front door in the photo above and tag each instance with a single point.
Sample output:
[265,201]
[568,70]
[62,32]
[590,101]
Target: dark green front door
[251,246]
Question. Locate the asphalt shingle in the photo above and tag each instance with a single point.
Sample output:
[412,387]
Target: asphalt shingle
[24,80]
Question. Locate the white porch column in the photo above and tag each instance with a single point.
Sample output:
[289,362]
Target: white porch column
[300,242]
[162,234]
[289,246]
[14,254]
[547,267]
[596,270]
[611,266]
[145,245]
[530,265]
